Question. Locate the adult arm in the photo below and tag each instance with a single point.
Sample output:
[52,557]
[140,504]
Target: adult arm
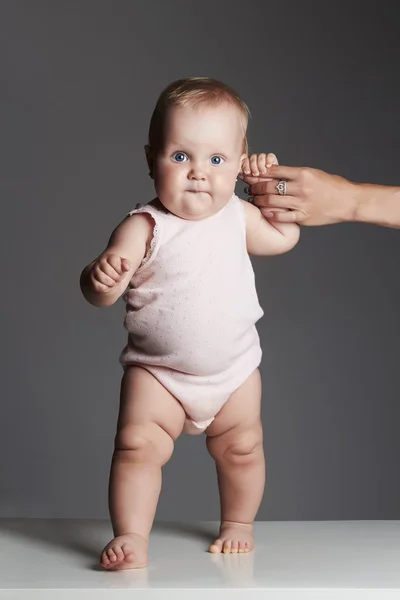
[315,197]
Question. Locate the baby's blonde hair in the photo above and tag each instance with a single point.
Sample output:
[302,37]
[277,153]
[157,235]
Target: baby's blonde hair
[193,92]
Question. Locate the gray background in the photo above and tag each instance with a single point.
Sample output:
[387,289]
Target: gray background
[79,81]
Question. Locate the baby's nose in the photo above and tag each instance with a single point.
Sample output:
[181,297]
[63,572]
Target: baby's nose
[197,173]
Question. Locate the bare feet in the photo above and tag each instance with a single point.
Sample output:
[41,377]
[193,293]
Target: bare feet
[233,538]
[128,551]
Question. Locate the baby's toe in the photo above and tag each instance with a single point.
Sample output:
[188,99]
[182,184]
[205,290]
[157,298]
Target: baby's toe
[105,561]
[234,547]
[119,553]
[111,555]
[128,553]
[115,556]
[227,547]
[241,547]
[216,547]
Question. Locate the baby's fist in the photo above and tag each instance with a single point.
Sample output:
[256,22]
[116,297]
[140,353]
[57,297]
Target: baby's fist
[108,271]
[257,164]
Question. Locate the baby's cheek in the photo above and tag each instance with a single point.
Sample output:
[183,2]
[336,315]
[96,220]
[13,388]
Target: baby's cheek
[167,184]
[227,180]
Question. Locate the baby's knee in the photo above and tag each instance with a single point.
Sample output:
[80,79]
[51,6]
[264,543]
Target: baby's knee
[143,444]
[244,447]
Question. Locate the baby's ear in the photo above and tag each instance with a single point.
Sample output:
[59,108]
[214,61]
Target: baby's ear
[242,161]
[149,158]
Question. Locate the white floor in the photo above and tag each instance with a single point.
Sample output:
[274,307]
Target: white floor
[41,559]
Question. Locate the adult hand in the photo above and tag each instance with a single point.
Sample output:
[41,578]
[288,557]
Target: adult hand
[313,197]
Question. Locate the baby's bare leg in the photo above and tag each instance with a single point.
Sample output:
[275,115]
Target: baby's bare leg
[235,441]
[150,420]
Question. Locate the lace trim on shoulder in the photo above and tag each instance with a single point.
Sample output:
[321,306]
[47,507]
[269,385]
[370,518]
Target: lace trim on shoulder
[155,240]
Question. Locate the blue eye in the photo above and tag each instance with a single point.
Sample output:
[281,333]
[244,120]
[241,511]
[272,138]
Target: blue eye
[179,157]
[217,160]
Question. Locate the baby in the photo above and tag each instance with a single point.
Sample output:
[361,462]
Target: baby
[192,356]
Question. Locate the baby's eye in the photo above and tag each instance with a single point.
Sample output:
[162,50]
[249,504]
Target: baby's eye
[179,156]
[217,160]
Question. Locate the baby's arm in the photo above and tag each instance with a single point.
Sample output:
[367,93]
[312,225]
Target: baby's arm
[265,238]
[106,278]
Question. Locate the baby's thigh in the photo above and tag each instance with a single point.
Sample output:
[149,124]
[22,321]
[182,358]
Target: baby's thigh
[242,410]
[144,402]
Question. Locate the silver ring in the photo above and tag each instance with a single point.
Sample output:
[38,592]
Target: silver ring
[281,187]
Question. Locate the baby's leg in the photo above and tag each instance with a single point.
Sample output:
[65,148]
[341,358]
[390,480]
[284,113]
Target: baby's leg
[235,441]
[150,420]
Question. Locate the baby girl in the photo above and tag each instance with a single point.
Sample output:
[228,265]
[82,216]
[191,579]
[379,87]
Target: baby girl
[193,352]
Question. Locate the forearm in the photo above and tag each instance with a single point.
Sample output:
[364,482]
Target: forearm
[99,299]
[286,230]
[286,235]
[376,204]
[265,237]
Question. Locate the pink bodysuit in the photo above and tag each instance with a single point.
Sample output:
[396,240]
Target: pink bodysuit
[191,310]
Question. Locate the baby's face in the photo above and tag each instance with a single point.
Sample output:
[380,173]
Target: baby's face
[196,170]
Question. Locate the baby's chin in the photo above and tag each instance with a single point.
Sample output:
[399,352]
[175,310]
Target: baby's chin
[201,206]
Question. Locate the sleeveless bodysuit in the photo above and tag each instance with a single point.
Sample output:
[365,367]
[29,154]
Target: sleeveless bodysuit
[191,309]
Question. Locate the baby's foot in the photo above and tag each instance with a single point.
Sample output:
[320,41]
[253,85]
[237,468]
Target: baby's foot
[233,538]
[128,551]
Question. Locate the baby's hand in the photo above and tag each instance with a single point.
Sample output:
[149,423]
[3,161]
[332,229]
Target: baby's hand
[257,164]
[108,271]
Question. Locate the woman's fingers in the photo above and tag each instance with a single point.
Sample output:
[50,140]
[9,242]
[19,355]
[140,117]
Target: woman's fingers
[263,190]
[285,216]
